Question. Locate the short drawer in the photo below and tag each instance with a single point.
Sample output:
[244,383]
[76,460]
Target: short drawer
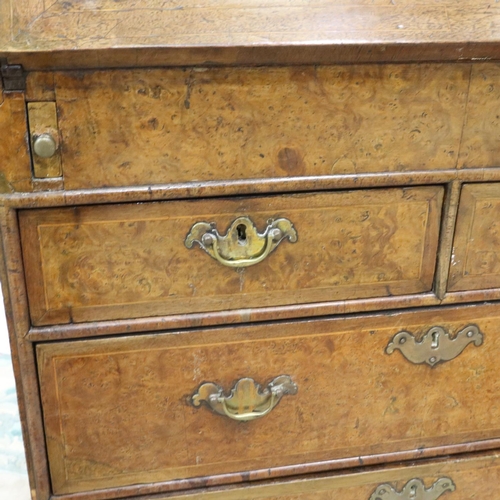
[128,261]
[476,248]
[160,407]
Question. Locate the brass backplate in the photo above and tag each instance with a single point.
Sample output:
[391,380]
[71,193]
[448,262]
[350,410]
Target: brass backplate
[414,490]
[42,118]
[436,346]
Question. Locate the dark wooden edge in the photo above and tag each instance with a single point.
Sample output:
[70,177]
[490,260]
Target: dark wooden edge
[129,194]
[25,371]
[255,54]
[283,472]
[448,222]
[150,324]
[275,314]
[430,254]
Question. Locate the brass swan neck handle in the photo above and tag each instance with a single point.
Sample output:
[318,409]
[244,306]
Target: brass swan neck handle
[242,245]
[246,400]
[246,417]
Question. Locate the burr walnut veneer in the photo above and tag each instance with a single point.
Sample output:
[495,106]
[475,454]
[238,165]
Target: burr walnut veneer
[252,251]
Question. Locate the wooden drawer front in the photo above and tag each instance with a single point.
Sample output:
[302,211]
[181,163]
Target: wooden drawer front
[126,261]
[469,478]
[118,411]
[476,247]
[160,126]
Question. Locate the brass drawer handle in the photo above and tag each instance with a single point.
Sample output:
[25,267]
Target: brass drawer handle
[414,490]
[436,345]
[246,401]
[243,245]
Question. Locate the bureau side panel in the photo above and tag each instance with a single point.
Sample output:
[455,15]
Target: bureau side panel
[119,411]
[142,127]
[127,261]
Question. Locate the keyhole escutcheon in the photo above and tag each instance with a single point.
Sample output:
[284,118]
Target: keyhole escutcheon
[241,230]
[435,340]
[413,492]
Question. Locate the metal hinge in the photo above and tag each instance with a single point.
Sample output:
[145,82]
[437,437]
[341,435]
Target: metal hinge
[13,77]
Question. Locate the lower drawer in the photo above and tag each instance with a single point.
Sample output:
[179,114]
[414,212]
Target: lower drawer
[124,411]
[460,479]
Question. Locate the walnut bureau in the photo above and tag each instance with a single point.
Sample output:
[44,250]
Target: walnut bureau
[252,251]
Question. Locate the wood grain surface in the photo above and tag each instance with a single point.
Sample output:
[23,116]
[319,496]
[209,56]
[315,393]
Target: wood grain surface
[146,127]
[130,33]
[480,145]
[129,261]
[117,411]
[106,254]
[141,127]
[476,248]
[15,168]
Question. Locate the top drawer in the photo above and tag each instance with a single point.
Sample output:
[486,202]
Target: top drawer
[106,262]
[141,127]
